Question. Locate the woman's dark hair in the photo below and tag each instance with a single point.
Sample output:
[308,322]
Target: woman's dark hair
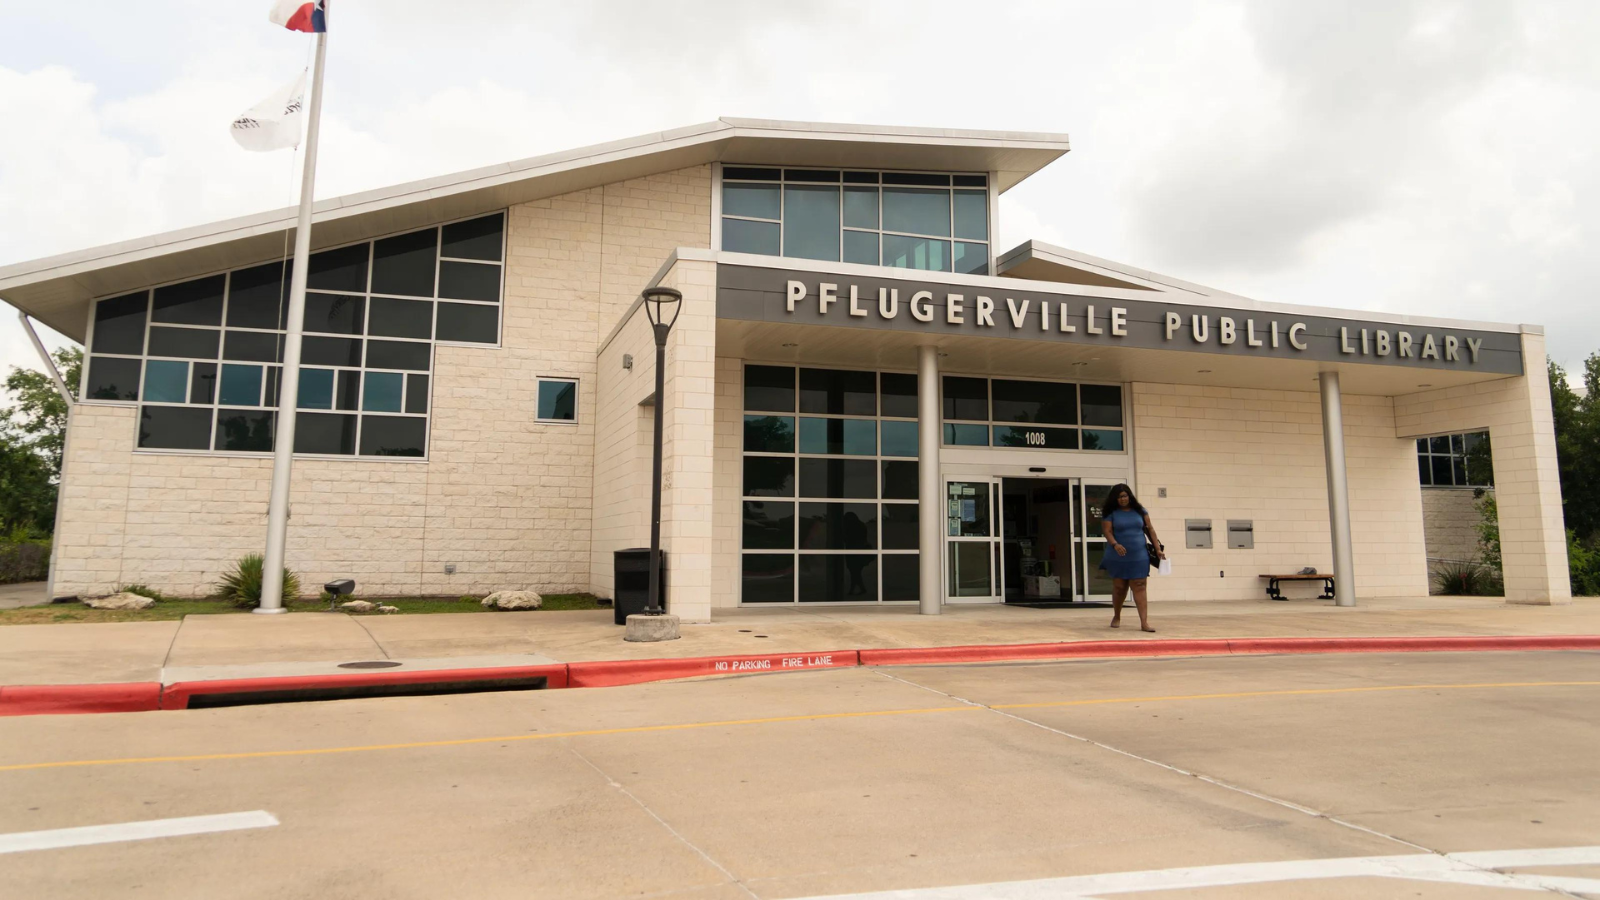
[1111,500]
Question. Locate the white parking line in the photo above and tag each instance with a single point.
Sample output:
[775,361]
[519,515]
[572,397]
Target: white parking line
[22,841]
[1477,869]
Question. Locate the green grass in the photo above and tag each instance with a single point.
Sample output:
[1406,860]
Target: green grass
[167,609]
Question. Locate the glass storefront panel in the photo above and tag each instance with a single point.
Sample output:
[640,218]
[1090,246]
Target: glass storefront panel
[838,392]
[851,437]
[846,478]
[767,578]
[899,438]
[1101,439]
[971,563]
[768,525]
[898,395]
[838,577]
[769,388]
[902,576]
[900,481]
[1038,402]
[899,526]
[838,526]
[769,476]
[769,434]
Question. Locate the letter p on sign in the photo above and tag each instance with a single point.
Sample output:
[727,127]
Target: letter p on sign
[797,292]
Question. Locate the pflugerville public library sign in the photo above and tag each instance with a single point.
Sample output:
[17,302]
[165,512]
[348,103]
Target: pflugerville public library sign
[753,293]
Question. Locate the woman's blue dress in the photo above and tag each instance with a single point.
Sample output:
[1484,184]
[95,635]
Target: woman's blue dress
[1127,527]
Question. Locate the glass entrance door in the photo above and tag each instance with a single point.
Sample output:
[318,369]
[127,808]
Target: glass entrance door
[972,541]
[1096,583]
[1038,528]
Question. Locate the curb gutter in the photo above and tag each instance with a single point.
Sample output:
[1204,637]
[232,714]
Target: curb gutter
[24,700]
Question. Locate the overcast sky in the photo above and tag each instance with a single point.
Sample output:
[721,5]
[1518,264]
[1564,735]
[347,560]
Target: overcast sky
[1433,158]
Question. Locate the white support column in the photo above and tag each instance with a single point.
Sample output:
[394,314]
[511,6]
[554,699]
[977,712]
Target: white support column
[1344,568]
[930,490]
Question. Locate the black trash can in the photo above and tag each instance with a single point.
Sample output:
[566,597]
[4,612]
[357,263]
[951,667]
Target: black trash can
[631,582]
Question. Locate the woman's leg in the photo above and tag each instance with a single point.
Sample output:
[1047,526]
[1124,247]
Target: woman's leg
[1119,592]
[1141,602]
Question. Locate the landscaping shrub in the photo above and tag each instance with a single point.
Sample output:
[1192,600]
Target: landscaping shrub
[26,560]
[1466,579]
[242,586]
[1583,566]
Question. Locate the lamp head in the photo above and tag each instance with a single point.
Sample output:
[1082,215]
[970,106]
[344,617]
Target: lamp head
[662,305]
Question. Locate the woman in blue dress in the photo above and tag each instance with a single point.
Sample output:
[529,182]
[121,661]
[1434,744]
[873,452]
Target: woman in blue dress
[1127,560]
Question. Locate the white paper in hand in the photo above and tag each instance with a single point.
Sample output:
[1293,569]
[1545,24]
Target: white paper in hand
[274,123]
[1165,568]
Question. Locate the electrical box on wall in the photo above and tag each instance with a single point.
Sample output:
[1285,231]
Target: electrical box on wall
[1241,534]
[1197,534]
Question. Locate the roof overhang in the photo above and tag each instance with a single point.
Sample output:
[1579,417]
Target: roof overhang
[56,290]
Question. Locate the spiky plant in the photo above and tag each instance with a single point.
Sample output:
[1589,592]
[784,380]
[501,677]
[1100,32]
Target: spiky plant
[242,586]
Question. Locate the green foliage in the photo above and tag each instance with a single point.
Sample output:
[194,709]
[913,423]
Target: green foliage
[1488,530]
[32,432]
[1467,579]
[1583,565]
[144,591]
[24,560]
[242,586]
[1577,426]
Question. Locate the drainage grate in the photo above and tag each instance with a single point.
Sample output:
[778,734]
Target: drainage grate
[370,664]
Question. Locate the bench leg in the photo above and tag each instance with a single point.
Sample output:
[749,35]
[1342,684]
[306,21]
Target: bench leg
[1272,590]
[1327,589]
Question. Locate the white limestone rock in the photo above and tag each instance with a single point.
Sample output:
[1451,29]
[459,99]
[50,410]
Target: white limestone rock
[514,600]
[388,609]
[360,606]
[123,600]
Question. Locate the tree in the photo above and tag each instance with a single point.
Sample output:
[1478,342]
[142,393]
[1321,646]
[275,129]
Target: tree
[1577,427]
[38,416]
[33,431]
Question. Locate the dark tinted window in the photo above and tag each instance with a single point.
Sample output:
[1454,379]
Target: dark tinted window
[1102,440]
[333,313]
[838,526]
[203,383]
[187,343]
[918,178]
[971,180]
[838,578]
[475,239]
[416,393]
[901,577]
[316,389]
[749,173]
[839,478]
[558,400]
[1102,405]
[119,324]
[253,346]
[769,434]
[861,178]
[393,436]
[767,578]
[768,476]
[838,392]
[325,433]
[768,525]
[851,437]
[245,430]
[899,526]
[347,392]
[966,398]
[814,175]
[1038,437]
[899,394]
[344,269]
[174,428]
[468,322]
[196,302]
[113,378]
[404,264]
[397,355]
[259,297]
[330,351]
[769,388]
[900,481]
[899,439]
[1034,401]
[401,318]
[469,281]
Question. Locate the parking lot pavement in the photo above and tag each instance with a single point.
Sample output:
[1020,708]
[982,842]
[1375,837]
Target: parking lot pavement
[833,782]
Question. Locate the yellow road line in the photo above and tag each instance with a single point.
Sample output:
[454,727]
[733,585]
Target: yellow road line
[772,720]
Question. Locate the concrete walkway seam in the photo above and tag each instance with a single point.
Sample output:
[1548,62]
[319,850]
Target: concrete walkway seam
[20,700]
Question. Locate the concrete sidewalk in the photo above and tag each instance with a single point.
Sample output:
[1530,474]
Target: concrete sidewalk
[205,647]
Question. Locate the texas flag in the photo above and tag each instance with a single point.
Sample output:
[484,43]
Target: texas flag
[297,15]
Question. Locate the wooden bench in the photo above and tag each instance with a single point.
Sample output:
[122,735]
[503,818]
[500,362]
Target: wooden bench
[1276,594]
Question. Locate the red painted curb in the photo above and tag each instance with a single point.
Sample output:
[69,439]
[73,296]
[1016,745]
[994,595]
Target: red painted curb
[610,673]
[908,656]
[1457,643]
[66,699]
[176,696]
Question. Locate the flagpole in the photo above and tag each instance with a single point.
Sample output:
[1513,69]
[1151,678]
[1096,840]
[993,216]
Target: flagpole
[272,598]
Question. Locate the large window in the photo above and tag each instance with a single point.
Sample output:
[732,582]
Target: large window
[204,358]
[1455,460]
[911,220]
[829,486]
[1043,415]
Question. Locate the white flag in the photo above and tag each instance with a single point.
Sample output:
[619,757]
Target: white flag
[274,123]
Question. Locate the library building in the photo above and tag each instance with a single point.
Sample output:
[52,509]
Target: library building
[867,401]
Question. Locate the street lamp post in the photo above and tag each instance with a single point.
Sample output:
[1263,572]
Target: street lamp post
[662,304]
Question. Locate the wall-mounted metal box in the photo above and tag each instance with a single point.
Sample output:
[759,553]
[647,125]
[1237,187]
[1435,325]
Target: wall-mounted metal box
[1197,534]
[1241,534]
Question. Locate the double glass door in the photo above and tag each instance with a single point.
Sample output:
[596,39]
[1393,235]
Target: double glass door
[1023,540]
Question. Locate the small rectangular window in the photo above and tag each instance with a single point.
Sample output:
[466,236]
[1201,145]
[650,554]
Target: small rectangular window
[769,388]
[768,525]
[767,578]
[1102,405]
[416,394]
[751,201]
[203,383]
[245,431]
[259,297]
[818,176]
[769,434]
[404,263]
[971,210]
[174,428]
[849,437]
[185,343]
[119,324]
[838,392]
[925,254]
[481,238]
[253,346]
[113,378]
[166,381]
[966,398]
[748,173]
[900,480]
[898,394]
[916,211]
[861,207]
[558,400]
[811,222]
[848,478]
[899,438]
[344,269]
[861,247]
[334,313]
[398,355]
[474,323]
[768,476]
[382,392]
[241,386]
[316,389]
[197,302]
[745,236]
[393,436]
[329,433]
[971,259]
[838,578]
[401,318]
[469,281]
[348,391]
